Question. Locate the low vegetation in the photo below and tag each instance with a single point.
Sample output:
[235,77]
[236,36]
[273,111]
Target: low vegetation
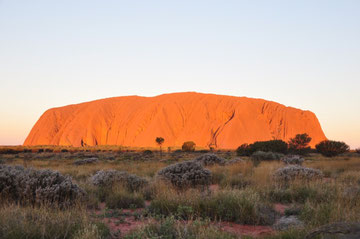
[330,148]
[134,194]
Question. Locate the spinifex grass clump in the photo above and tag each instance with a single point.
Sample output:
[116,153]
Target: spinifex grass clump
[36,187]
[171,228]
[210,159]
[293,172]
[186,174]
[86,161]
[121,198]
[107,178]
[293,159]
[237,206]
[18,222]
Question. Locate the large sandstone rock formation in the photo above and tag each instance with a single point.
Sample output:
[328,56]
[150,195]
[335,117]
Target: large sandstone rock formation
[207,119]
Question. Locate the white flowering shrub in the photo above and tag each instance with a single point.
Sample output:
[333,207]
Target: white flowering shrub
[35,187]
[106,178]
[292,172]
[293,159]
[184,174]
[210,159]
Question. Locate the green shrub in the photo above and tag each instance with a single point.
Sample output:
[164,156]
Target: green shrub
[330,148]
[188,146]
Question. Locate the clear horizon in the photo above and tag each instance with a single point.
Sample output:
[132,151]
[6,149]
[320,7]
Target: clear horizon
[302,54]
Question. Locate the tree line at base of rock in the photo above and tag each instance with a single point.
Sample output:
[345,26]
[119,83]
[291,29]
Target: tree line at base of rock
[297,145]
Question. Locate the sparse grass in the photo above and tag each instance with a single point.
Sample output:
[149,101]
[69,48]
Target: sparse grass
[244,195]
[171,228]
[241,206]
[28,222]
[122,198]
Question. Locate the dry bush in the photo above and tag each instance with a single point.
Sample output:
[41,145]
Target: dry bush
[266,156]
[184,174]
[210,159]
[107,178]
[293,172]
[30,186]
[293,159]
[86,161]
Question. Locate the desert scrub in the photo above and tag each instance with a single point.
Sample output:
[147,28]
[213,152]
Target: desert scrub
[298,192]
[293,172]
[210,159]
[171,228]
[41,222]
[227,205]
[293,159]
[237,181]
[108,178]
[266,156]
[36,187]
[186,174]
[122,198]
[86,161]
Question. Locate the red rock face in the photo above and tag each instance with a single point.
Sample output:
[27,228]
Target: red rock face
[207,119]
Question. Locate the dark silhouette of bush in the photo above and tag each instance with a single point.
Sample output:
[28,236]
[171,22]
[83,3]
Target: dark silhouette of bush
[299,144]
[148,153]
[357,150]
[330,148]
[244,150]
[188,146]
[277,146]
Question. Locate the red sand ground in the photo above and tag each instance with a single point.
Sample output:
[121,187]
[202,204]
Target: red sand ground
[128,223]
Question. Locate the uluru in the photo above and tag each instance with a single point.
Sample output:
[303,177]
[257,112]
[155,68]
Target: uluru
[224,122]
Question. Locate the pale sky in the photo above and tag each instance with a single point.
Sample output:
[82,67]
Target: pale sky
[304,54]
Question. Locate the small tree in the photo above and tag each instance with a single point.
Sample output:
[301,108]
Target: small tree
[330,148]
[299,144]
[188,146]
[160,141]
[357,150]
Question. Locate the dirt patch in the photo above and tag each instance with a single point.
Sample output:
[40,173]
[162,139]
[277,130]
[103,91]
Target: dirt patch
[246,230]
[280,208]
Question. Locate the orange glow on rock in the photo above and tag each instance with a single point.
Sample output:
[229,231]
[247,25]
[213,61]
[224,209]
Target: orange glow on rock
[223,121]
